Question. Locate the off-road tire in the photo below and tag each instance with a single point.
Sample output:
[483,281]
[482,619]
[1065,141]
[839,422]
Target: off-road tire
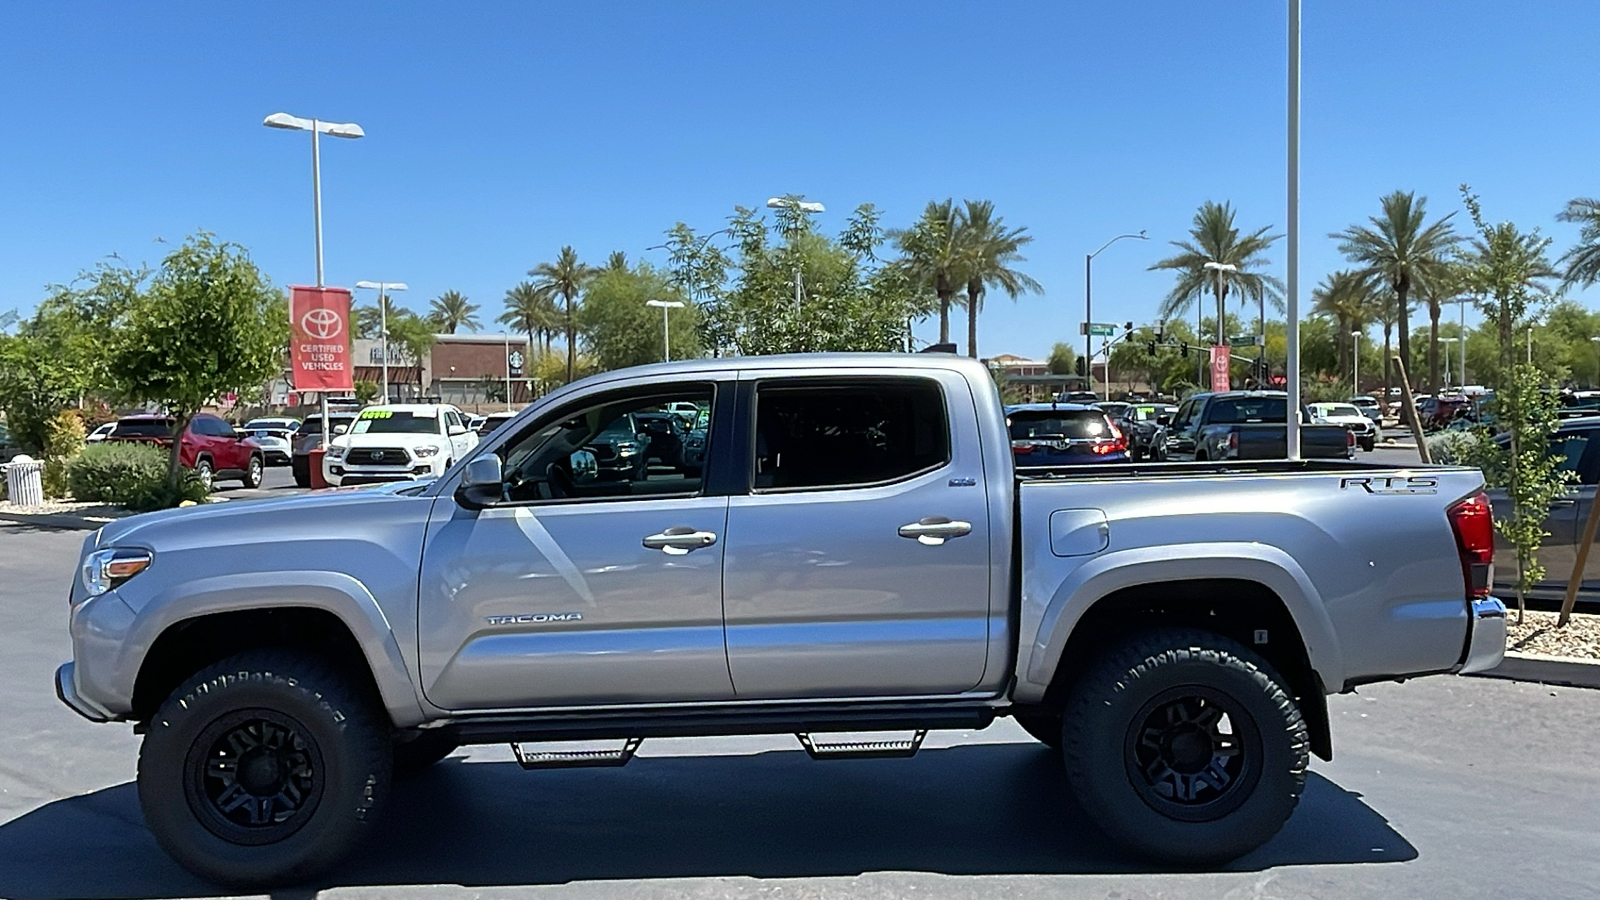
[1131,777]
[205,473]
[1043,727]
[1368,443]
[326,748]
[254,470]
[421,752]
[302,476]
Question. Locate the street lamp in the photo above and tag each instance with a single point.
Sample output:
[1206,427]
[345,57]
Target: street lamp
[1596,342]
[316,127]
[1088,304]
[666,307]
[1448,340]
[803,206]
[383,322]
[1355,373]
[1219,268]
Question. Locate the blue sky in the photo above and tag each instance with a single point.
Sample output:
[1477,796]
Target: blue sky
[497,132]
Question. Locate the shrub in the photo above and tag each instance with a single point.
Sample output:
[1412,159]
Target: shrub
[63,441]
[1453,448]
[130,475]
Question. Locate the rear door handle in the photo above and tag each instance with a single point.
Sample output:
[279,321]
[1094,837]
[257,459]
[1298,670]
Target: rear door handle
[1562,504]
[935,530]
[679,540]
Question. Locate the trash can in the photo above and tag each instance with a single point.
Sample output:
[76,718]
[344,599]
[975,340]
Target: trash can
[25,481]
[315,461]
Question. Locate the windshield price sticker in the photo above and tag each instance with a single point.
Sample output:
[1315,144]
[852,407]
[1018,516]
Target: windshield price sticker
[377,413]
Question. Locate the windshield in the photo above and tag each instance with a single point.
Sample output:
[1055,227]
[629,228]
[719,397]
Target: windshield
[1055,424]
[1146,413]
[144,428]
[1340,410]
[1242,410]
[391,421]
[313,425]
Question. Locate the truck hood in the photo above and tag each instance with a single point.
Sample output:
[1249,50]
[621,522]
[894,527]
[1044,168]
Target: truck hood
[390,439]
[193,524]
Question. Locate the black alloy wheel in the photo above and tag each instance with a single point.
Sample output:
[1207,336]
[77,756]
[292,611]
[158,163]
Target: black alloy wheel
[254,777]
[1193,753]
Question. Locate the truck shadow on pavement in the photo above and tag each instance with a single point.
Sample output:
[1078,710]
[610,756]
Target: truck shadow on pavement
[970,810]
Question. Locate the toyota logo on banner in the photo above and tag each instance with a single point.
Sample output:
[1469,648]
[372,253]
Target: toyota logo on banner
[322,324]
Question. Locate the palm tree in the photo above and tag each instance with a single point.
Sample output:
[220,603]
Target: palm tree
[988,251]
[1215,239]
[931,256]
[565,277]
[527,310]
[616,262]
[370,319]
[1403,253]
[450,311]
[1346,297]
[1513,262]
[1583,260]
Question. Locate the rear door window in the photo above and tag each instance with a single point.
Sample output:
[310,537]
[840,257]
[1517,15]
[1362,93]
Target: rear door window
[848,434]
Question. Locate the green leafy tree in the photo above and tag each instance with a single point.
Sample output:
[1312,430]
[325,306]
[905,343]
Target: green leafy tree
[564,278]
[1214,238]
[366,392]
[209,324]
[369,319]
[622,331]
[989,253]
[412,334]
[450,311]
[1508,268]
[1582,262]
[1404,252]
[1061,359]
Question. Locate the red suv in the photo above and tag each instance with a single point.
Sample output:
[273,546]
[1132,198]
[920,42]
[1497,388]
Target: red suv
[210,446]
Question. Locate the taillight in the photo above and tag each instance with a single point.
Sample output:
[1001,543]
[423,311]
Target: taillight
[1472,520]
[1023,446]
[1233,443]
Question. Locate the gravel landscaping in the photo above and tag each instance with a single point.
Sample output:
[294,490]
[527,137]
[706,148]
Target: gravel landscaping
[1538,634]
[64,507]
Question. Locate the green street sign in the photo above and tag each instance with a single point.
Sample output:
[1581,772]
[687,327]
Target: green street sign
[1098,329]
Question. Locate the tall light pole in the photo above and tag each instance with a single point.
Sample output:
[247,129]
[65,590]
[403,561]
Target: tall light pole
[336,129]
[1292,189]
[802,206]
[1447,340]
[1596,342]
[383,321]
[666,307]
[1088,305]
[1355,373]
[1219,268]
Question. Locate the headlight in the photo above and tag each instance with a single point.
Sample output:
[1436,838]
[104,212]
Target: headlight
[425,452]
[105,569]
[334,453]
[627,448]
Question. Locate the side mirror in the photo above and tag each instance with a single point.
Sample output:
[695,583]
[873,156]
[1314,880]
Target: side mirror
[340,429]
[481,483]
[457,430]
[584,466]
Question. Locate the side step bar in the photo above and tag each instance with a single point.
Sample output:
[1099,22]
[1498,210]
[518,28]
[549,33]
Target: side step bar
[864,749]
[576,759]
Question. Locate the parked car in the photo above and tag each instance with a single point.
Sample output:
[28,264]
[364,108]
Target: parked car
[309,437]
[275,437]
[1576,443]
[492,421]
[1077,397]
[474,423]
[1369,407]
[210,446]
[8,447]
[1113,408]
[1063,434]
[864,558]
[1438,413]
[100,433]
[1350,416]
[1249,425]
[1145,425]
[398,442]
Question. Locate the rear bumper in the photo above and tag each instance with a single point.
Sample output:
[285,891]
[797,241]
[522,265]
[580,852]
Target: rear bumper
[67,692]
[1486,639]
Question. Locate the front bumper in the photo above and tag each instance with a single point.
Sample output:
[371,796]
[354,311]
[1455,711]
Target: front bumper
[1486,639]
[67,692]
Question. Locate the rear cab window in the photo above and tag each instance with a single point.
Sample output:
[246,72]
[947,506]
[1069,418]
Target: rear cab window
[847,433]
[1047,424]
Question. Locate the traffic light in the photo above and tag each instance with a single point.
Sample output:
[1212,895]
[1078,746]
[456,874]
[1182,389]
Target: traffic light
[1184,349]
[1151,346]
[1082,366]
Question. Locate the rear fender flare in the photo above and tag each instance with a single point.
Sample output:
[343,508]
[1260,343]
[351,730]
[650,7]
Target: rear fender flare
[1112,572]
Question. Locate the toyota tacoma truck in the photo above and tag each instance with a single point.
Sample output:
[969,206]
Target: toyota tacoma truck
[854,553]
[398,442]
[1249,425]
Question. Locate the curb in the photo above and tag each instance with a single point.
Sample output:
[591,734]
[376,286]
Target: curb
[1561,670]
[56,520]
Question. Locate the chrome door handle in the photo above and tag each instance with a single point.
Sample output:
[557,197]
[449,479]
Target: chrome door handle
[1562,504]
[679,540]
[935,530]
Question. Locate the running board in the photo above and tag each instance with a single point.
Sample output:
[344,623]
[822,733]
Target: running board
[864,749]
[576,759]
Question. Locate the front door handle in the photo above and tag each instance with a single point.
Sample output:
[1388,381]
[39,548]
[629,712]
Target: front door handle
[679,540]
[1562,504]
[935,530]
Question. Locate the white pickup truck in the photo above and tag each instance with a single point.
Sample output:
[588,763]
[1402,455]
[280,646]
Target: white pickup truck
[854,551]
[398,442]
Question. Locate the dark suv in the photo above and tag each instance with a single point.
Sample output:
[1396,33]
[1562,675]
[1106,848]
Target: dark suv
[309,438]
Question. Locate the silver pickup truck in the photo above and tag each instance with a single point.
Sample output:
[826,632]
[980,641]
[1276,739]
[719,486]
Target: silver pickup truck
[851,552]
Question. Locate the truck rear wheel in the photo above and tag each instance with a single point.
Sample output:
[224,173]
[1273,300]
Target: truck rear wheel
[1185,747]
[262,769]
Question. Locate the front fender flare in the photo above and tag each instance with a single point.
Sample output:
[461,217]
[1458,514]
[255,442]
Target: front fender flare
[1111,572]
[334,592]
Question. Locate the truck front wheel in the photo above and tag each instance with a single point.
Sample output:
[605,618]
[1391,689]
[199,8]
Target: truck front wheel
[262,769]
[1185,747]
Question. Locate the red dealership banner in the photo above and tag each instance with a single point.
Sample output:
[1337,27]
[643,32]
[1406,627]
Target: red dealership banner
[1219,367]
[319,339]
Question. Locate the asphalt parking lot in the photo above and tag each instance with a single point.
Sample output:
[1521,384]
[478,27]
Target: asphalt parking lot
[1443,787]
